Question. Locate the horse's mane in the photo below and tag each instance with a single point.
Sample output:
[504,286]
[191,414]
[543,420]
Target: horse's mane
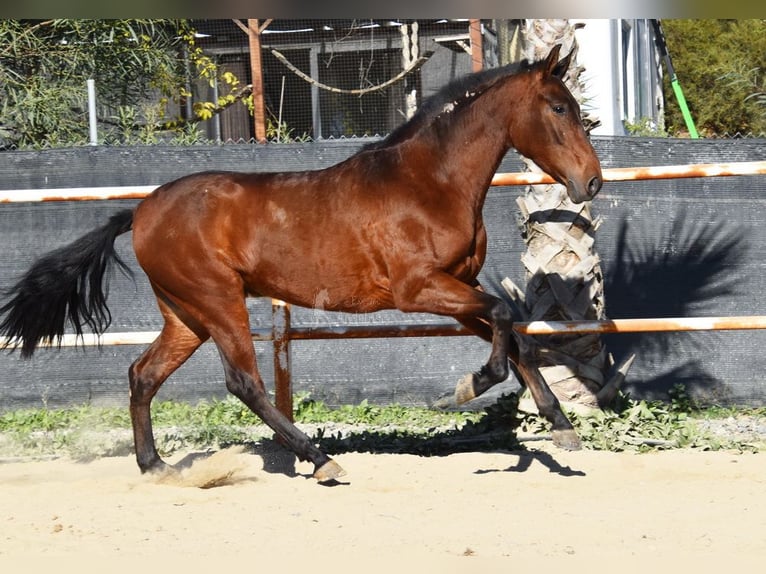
[452,98]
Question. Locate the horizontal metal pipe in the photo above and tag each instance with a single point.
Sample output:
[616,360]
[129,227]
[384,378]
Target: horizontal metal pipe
[643,325]
[76,193]
[378,331]
[646,173]
[526,178]
[669,324]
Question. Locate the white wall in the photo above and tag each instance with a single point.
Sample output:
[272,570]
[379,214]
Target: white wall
[599,53]
[622,73]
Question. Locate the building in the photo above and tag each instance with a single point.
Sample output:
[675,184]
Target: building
[323,78]
[623,74]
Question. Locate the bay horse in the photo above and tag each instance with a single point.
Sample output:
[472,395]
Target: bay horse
[398,225]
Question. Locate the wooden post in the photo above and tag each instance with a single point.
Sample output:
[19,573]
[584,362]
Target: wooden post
[256,69]
[477,49]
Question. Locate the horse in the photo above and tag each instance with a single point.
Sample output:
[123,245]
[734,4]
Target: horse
[397,225]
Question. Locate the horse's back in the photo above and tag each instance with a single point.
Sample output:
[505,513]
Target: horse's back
[294,236]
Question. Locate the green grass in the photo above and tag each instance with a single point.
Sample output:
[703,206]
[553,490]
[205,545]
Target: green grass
[86,432]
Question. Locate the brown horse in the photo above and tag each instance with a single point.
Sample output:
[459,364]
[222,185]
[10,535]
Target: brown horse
[396,226]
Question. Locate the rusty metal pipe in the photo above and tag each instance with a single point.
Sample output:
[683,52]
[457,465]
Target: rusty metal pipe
[742,322]
[646,173]
[500,179]
[643,325]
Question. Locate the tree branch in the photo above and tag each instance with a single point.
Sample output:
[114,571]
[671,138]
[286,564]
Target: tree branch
[358,92]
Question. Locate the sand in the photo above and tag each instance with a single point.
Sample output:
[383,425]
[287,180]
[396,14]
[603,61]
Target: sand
[471,512]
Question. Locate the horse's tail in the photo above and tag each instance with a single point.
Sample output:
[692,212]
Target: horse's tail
[68,283]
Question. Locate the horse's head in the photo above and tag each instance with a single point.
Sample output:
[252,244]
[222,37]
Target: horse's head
[550,132]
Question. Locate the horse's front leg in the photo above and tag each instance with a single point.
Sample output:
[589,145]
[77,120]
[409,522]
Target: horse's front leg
[443,294]
[474,384]
[562,431]
[496,369]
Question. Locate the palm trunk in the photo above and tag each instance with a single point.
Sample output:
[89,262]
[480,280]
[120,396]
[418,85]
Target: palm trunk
[563,271]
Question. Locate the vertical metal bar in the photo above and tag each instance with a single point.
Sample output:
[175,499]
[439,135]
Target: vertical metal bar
[216,117]
[316,111]
[663,45]
[283,387]
[92,118]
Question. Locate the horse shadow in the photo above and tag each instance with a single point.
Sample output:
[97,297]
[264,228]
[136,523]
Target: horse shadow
[527,458]
[484,436]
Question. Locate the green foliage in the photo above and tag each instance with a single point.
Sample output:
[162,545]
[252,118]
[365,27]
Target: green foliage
[280,132]
[751,80]
[719,64]
[86,432]
[645,127]
[141,69]
[308,410]
[642,426]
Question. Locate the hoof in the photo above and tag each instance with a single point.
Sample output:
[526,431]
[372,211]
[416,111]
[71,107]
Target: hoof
[330,470]
[158,468]
[465,390]
[566,439]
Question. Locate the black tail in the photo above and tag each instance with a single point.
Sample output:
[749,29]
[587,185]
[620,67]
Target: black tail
[68,283]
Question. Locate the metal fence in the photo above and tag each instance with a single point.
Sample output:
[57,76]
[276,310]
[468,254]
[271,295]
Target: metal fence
[281,332]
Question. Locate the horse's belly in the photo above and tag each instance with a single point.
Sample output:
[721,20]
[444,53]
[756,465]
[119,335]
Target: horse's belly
[334,292]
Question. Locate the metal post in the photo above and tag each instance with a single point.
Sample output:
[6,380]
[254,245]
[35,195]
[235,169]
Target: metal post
[92,119]
[280,335]
[663,45]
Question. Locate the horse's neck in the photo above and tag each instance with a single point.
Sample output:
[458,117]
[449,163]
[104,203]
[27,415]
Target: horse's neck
[472,149]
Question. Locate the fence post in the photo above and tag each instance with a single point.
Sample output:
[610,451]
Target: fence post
[257,74]
[280,338]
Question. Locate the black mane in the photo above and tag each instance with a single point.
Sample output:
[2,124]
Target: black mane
[457,93]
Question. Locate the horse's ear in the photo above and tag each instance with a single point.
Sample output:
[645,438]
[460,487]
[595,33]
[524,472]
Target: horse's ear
[552,60]
[555,67]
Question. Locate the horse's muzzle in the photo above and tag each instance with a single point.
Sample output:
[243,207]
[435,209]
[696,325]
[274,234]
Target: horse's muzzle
[579,193]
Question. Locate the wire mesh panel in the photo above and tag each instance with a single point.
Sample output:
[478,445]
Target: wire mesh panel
[331,78]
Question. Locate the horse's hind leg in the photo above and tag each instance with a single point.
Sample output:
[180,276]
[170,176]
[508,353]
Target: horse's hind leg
[175,344]
[243,381]
[223,314]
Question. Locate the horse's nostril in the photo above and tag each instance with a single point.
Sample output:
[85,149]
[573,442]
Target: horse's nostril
[594,185]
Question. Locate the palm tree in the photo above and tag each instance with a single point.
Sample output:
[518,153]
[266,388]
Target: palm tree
[563,271]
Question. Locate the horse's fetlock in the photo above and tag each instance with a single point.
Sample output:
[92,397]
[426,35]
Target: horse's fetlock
[501,314]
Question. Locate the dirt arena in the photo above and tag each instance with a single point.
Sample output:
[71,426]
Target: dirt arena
[474,512]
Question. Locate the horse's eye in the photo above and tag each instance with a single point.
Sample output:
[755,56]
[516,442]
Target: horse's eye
[559,109]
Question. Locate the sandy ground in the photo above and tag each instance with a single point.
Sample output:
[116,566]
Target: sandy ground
[474,512]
